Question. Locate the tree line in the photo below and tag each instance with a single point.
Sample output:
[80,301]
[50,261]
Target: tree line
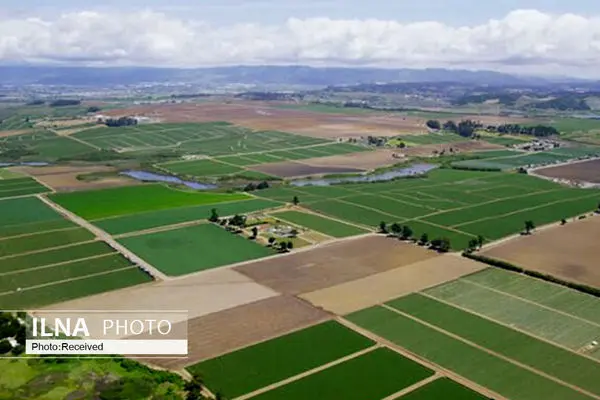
[123,121]
[468,128]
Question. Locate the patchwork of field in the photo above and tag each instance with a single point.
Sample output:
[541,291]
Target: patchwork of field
[512,162]
[458,205]
[549,251]
[492,342]
[323,225]
[20,187]
[116,202]
[587,171]
[291,169]
[193,248]
[333,264]
[45,146]
[267,160]
[65,178]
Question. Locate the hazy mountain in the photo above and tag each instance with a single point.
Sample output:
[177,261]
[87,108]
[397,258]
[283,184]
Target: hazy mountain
[279,75]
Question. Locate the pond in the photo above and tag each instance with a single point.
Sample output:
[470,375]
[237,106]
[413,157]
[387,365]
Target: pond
[145,176]
[416,169]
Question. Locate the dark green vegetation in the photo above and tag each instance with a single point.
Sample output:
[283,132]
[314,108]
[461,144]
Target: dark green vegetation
[154,219]
[324,225]
[28,215]
[42,146]
[378,374]
[442,388]
[43,240]
[80,378]
[194,248]
[255,367]
[20,187]
[136,199]
[458,205]
[475,364]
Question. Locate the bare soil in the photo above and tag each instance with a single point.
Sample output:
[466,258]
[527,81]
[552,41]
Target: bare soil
[14,133]
[588,171]
[570,252]
[222,332]
[64,178]
[200,294]
[333,264]
[291,169]
[375,289]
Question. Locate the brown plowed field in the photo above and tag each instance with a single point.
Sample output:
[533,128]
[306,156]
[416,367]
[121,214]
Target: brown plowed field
[333,264]
[290,169]
[588,171]
[64,178]
[219,333]
[364,160]
[375,289]
[570,252]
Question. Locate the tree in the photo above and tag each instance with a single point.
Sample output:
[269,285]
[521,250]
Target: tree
[383,227]
[194,388]
[272,241]
[263,185]
[295,200]
[424,239]
[283,247]
[5,347]
[407,232]
[529,226]
[473,243]
[254,232]
[445,245]
[450,126]
[480,241]
[214,215]
[250,187]
[434,124]
[396,229]
[290,245]
[563,221]
[238,220]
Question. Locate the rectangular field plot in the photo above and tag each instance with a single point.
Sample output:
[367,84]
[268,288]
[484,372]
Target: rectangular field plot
[320,224]
[54,256]
[353,213]
[542,356]
[398,207]
[201,168]
[552,325]
[98,204]
[252,368]
[44,240]
[381,373]
[501,376]
[20,187]
[29,215]
[546,294]
[155,219]
[195,248]
[73,289]
[442,388]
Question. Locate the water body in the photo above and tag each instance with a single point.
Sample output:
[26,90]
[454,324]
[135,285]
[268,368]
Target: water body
[27,164]
[145,176]
[416,169]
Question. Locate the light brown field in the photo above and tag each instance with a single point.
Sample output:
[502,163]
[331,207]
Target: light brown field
[13,133]
[200,294]
[364,160]
[219,333]
[375,289]
[570,252]
[588,171]
[64,178]
[333,263]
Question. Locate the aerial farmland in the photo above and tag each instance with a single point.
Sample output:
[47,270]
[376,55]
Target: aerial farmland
[302,272]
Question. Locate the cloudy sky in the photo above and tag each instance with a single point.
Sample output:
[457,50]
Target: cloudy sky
[523,36]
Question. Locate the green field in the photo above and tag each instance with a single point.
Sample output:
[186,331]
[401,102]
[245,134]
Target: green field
[567,318]
[43,240]
[442,388]
[503,140]
[194,248]
[98,204]
[375,375]
[320,224]
[499,375]
[447,203]
[201,168]
[512,162]
[527,350]
[74,289]
[154,219]
[29,215]
[6,174]
[249,369]
[43,146]
[54,256]
[20,187]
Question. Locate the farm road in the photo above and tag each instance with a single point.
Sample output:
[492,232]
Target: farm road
[104,236]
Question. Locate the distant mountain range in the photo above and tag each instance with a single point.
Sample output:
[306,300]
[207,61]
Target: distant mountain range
[252,75]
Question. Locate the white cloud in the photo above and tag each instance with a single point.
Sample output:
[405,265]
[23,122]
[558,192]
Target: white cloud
[524,40]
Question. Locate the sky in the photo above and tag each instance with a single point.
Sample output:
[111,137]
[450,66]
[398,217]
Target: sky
[535,37]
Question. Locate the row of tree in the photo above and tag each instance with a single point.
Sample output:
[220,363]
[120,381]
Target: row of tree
[123,121]
[468,128]
[405,232]
[253,186]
